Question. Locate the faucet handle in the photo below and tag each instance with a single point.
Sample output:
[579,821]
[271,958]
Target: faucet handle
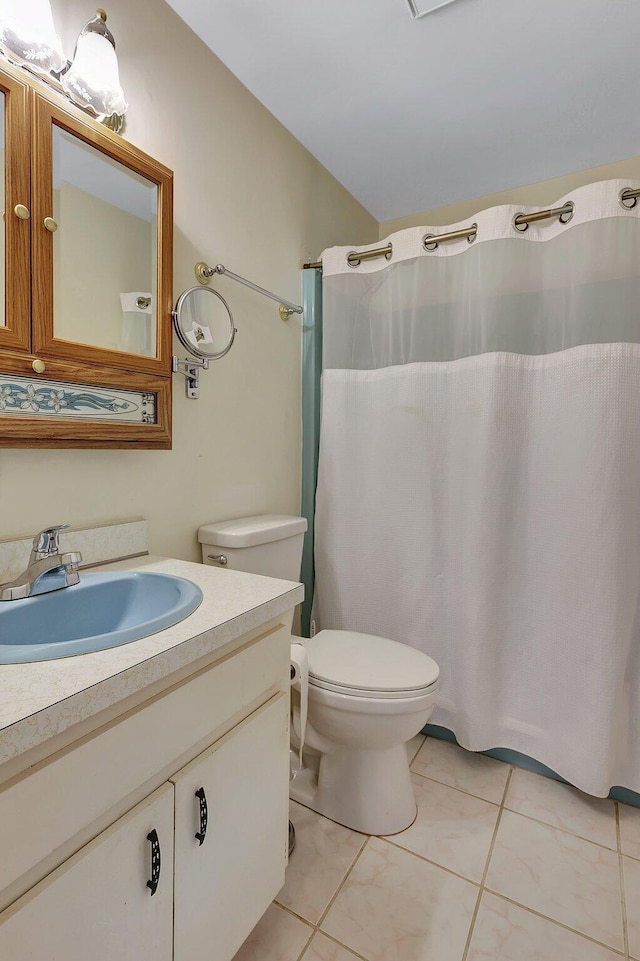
[48,541]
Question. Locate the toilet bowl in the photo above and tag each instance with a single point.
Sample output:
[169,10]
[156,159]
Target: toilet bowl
[367,695]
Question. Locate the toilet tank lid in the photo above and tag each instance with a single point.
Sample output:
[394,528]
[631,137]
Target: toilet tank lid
[251,531]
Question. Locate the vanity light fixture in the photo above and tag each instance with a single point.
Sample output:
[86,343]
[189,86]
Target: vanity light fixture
[29,37]
[92,80]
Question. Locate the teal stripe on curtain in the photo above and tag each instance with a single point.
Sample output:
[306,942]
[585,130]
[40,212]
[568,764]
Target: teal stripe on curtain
[311,370]
[528,763]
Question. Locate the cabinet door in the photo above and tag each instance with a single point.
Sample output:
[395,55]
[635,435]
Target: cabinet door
[15,232]
[102,223]
[232,805]
[97,906]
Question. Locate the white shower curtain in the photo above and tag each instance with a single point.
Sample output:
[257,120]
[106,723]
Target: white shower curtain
[479,478]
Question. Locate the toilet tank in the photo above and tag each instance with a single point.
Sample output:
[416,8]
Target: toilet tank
[269,544]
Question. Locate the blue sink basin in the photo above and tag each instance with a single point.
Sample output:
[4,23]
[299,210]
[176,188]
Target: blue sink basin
[102,611]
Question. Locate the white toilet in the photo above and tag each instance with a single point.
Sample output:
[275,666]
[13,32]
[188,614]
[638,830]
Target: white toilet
[368,695]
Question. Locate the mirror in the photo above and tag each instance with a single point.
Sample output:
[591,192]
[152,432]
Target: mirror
[3,245]
[104,223]
[204,323]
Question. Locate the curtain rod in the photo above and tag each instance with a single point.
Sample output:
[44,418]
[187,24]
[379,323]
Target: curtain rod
[564,215]
[355,257]
[431,241]
[204,273]
[520,223]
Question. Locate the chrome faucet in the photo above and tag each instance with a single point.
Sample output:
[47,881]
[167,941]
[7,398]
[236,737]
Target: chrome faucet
[47,570]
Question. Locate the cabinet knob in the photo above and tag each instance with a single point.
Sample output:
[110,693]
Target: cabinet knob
[50,224]
[21,212]
[39,366]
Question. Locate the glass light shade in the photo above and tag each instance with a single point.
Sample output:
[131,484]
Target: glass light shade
[93,80]
[28,34]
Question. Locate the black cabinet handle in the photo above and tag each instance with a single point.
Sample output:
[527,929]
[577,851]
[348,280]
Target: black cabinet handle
[155,861]
[204,814]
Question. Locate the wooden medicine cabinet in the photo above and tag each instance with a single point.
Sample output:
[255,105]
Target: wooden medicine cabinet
[86,279]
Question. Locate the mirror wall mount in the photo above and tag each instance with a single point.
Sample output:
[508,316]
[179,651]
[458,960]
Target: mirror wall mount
[199,315]
[190,370]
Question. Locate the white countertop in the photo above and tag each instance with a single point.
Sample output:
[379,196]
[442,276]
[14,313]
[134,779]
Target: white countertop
[41,699]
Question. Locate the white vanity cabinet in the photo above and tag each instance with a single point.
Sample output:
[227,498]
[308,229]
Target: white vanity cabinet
[230,851]
[208,755]
[96,906]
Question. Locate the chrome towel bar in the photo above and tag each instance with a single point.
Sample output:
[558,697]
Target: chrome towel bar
[204,273]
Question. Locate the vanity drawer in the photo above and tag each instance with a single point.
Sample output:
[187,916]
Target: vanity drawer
[42,811]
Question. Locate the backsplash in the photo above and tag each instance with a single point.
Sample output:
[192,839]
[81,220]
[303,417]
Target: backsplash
[96,544]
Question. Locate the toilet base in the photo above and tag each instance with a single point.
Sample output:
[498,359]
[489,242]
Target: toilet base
[369,791]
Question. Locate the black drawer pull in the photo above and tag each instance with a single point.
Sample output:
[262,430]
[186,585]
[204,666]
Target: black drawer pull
[204,814]
[155,861]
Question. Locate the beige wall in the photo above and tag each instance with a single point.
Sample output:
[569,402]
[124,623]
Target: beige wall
[247,195]
[535,195]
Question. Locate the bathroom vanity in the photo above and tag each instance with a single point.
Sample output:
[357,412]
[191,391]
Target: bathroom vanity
[144,789]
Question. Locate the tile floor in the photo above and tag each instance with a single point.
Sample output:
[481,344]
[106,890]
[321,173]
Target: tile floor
[500,865]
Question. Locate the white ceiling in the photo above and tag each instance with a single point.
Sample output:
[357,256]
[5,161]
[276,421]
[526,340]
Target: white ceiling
[476,97]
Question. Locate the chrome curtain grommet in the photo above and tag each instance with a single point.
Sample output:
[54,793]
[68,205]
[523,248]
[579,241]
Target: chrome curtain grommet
[429,242]
[520,227]
[565,217]
[628,198]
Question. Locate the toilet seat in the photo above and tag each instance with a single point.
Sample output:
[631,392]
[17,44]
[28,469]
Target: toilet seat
[364,665]
[363,692]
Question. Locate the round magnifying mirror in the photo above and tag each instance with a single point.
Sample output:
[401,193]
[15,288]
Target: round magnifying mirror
[204,323]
